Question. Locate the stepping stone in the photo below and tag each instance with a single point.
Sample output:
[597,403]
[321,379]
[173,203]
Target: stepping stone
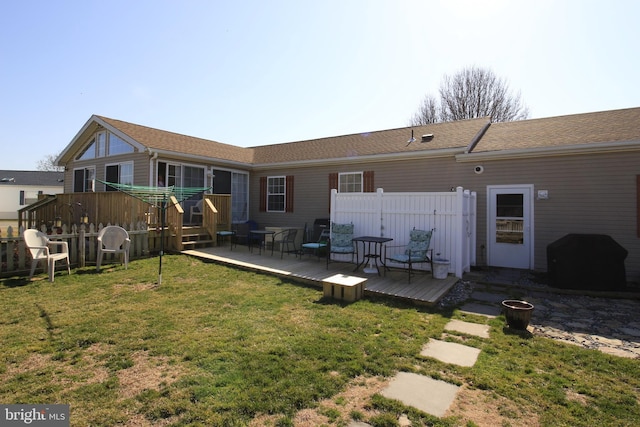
[450,352]
[421,392]
[489,311]
[468,328]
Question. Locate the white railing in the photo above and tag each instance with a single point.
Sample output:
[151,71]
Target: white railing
[452,216]
[82,241]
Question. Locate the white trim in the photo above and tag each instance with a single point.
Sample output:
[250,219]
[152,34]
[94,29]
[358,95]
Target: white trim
[531,217]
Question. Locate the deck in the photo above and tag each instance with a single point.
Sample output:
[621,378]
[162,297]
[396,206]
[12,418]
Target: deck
[423,289]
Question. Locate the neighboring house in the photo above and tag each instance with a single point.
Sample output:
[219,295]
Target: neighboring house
[21,188]
[541,178]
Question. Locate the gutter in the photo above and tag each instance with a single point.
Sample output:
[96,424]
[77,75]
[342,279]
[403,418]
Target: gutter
[577,149]
[414,155]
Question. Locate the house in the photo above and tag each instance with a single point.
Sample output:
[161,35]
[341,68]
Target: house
[536,180]
[21,188]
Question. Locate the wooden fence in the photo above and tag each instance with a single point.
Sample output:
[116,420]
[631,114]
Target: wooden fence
[452,216]
[82,241]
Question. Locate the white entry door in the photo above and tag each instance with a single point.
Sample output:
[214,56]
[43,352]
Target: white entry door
[510,226]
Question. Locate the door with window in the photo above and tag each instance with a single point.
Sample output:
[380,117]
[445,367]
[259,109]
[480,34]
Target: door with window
[510,226]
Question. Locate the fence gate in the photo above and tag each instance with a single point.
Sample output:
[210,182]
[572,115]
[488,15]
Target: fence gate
[452,216]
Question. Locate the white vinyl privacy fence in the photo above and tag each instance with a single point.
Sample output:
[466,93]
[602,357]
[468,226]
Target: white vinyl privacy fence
[452,216]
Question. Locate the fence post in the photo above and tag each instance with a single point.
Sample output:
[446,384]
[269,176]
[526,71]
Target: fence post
[459,234]
[379,204]
[81,247]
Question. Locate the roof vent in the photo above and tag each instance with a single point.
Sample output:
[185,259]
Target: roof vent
[426,138]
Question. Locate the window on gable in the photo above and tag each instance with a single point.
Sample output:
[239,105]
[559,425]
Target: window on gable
[104,144]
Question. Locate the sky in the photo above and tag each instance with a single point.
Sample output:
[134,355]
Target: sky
[252,72]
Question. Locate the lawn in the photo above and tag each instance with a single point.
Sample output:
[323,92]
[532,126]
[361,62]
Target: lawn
[216,346]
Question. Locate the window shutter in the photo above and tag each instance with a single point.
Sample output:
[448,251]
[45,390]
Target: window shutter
[368,184]
[263,194]
[289,190]
[333,184]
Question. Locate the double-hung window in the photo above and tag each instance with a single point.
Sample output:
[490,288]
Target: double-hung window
[276,193]
[351,182]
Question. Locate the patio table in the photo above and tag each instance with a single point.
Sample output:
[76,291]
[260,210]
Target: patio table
[375,254]
[263,235]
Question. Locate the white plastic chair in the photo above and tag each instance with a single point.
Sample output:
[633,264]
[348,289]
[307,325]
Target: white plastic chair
[196,210]
[39,245]
[113,239]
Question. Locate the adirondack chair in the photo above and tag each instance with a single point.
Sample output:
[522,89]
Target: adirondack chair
[39,246]
[341,241]
[415,252]
[113,239]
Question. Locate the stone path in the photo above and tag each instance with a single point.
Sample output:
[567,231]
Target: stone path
[609,325]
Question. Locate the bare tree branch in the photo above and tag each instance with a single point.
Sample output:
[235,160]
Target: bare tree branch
[471,93]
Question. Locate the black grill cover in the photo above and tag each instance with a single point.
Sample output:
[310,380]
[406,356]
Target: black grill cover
[586,261]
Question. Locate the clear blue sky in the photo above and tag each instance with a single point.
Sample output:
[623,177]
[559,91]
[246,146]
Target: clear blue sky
[261,72]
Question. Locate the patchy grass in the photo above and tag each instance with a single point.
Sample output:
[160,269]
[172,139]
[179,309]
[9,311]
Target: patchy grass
[216,346]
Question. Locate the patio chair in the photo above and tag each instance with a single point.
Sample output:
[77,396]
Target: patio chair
[316,247]
[39,246]
[341,241]
[196,210]
[113,239]
[287,241]
[415,252]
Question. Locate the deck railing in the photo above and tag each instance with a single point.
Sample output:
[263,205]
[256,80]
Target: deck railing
[119,208]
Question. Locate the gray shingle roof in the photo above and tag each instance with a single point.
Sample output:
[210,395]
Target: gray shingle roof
[35,178]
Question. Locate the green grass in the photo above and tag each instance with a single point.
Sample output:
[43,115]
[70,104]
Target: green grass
[218,346]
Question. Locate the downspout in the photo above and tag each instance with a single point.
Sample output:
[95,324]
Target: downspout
[153,157]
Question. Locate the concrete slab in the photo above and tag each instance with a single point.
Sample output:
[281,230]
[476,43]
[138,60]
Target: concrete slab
[468,328]
[450,352]
[421,392]
[489,311]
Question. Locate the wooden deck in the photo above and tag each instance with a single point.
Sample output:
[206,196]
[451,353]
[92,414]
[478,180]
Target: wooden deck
[423,289]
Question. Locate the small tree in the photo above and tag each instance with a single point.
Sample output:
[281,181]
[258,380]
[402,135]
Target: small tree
[473,92]
[48,163]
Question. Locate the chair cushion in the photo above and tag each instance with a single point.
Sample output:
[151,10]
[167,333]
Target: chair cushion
[314,245]
[225,233]
[342,238]
[418,245]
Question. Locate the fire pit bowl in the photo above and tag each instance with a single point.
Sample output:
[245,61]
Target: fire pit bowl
[518,313]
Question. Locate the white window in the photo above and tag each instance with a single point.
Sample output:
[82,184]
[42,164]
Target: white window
[350,182]
[239,197]
[276,193]
[104,144]
[84,179]
[119,173]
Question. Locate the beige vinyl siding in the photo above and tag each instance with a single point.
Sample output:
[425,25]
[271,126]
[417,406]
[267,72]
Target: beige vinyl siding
[587,194]
[140,169]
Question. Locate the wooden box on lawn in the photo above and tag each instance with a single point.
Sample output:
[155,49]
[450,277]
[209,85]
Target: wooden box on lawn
[343,287]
